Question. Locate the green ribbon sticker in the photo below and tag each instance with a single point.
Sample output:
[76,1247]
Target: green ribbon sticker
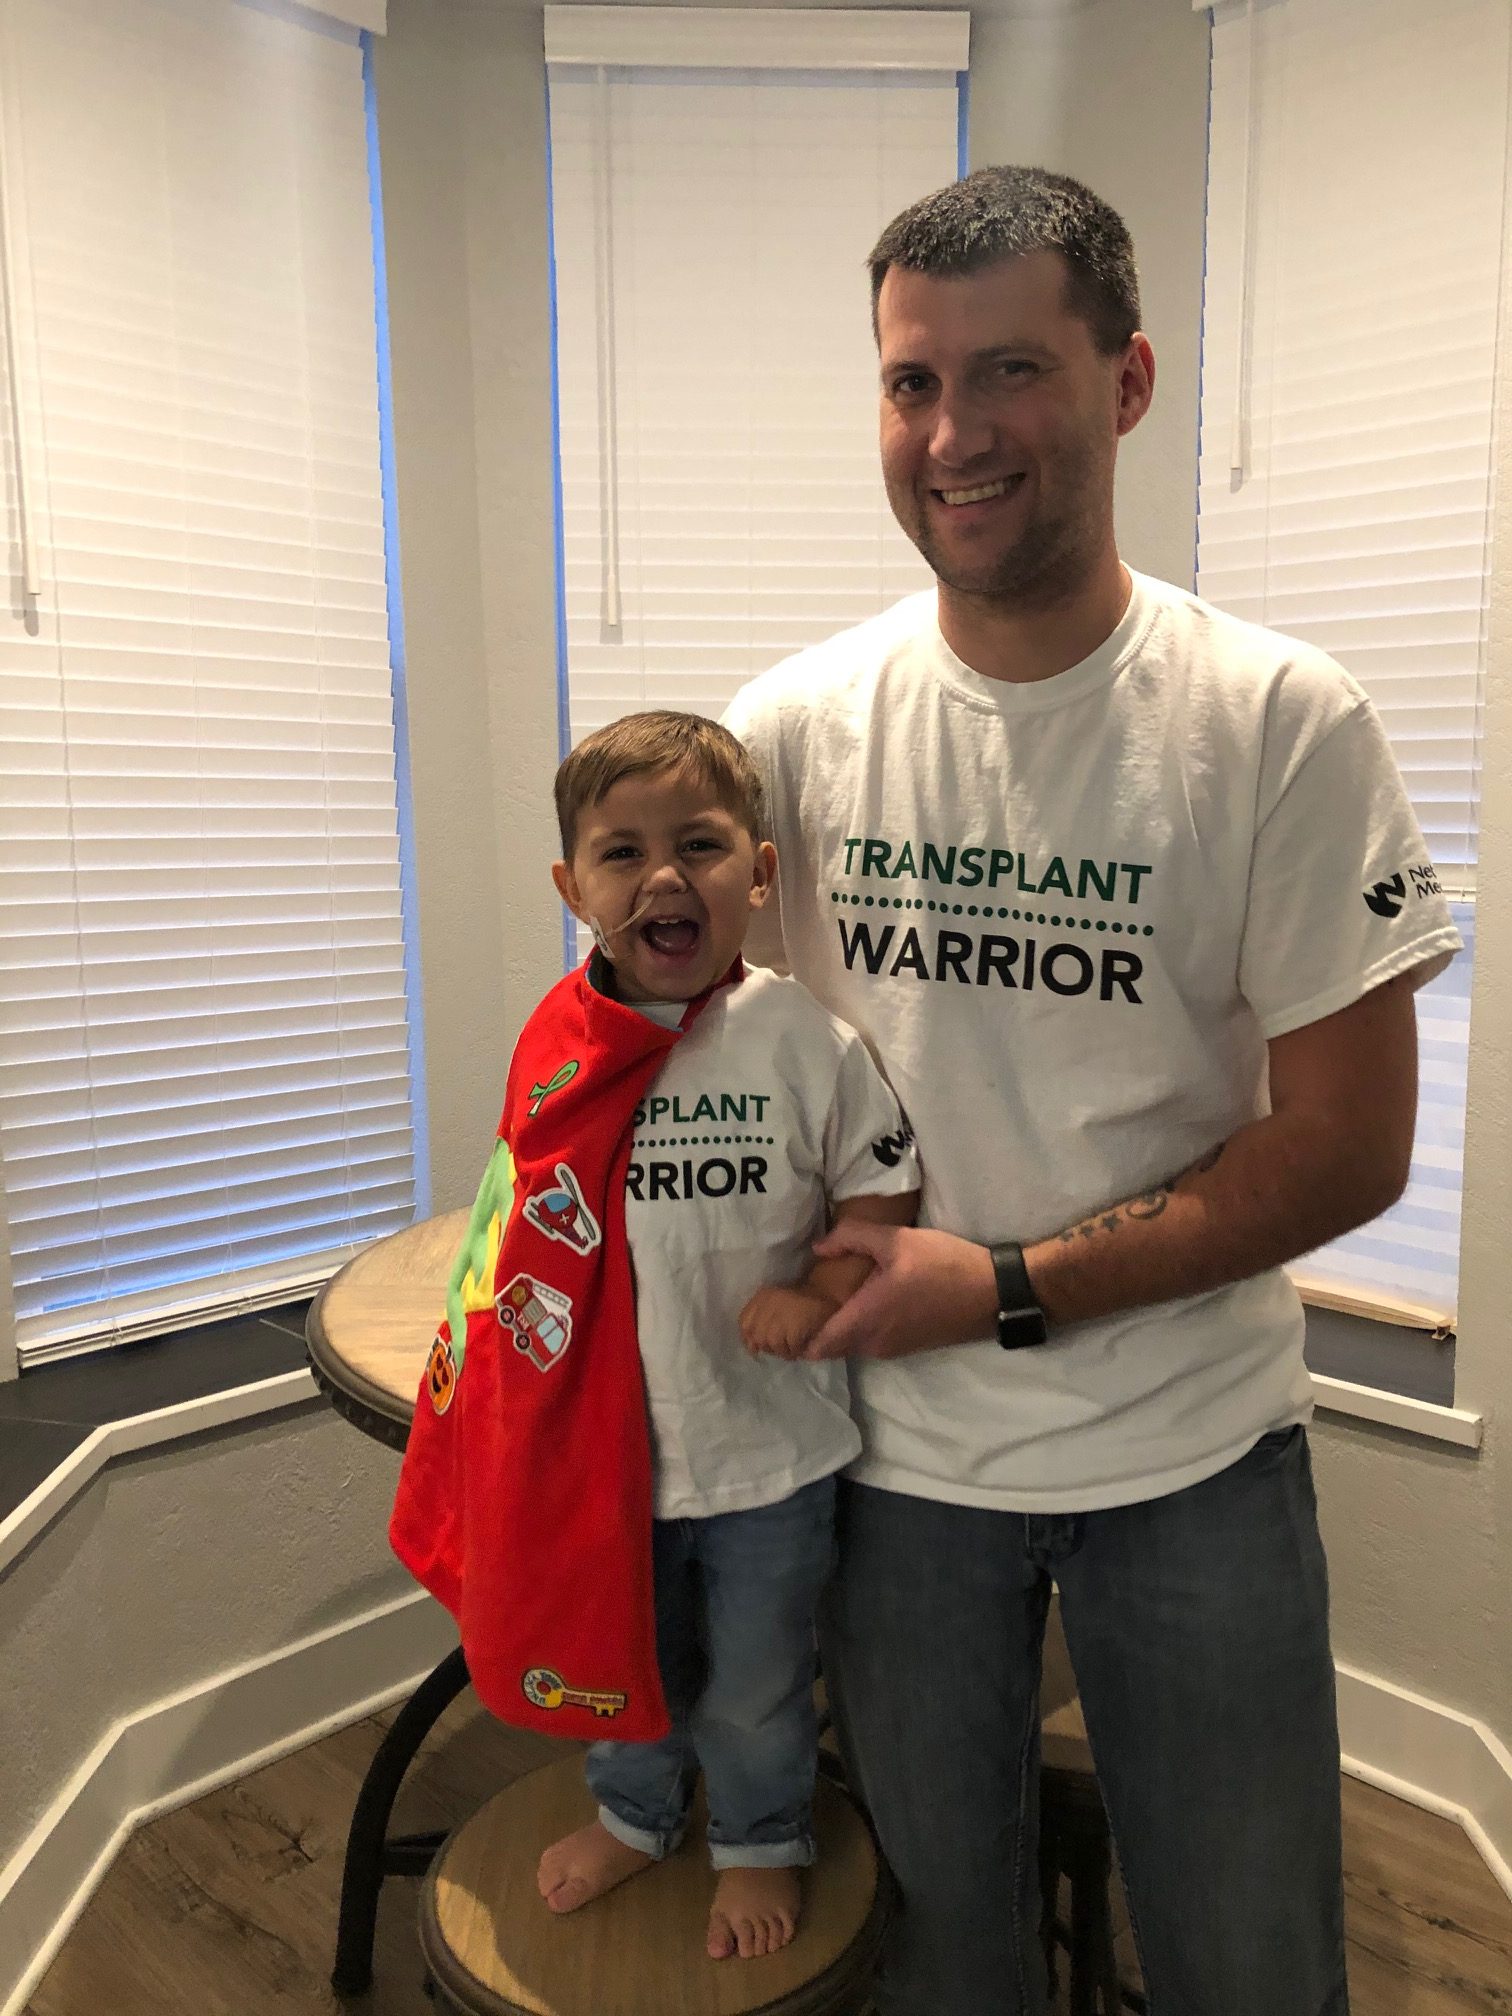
[563,1077]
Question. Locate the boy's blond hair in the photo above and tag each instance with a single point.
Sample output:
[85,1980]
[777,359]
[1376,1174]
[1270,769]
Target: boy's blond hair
[642,744]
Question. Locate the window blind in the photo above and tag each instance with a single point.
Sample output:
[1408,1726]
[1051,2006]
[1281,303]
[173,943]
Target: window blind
[205,1100]
[1354,249]
[721,498]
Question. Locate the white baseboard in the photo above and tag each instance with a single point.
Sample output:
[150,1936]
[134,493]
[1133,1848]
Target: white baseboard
[231,1725]
[182,1747]
[1433,1757]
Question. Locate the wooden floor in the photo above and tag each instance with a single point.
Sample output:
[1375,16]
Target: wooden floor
[227,1907]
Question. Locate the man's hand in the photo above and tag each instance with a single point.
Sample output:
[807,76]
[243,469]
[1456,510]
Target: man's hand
[778,1322]
[926,1289]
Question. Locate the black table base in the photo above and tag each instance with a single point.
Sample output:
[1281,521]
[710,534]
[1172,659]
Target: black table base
[371,1853]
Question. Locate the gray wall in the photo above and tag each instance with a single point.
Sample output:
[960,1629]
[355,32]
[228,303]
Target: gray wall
[173,1567]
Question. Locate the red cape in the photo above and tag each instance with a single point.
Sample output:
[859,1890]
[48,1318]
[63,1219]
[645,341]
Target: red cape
[525,1501]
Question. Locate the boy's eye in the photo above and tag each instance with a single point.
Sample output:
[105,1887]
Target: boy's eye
[624,852]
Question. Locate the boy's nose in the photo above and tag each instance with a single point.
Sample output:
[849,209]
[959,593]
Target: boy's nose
[666,875]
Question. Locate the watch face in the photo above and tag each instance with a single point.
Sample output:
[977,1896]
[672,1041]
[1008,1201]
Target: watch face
[1020,1328]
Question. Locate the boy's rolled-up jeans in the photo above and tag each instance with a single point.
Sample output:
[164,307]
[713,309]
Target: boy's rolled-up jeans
[735,1600]
[1198,1628]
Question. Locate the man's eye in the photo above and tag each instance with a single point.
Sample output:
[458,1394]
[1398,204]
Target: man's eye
[1016,367]
[910,386]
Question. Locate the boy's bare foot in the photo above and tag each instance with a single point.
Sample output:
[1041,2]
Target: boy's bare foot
[755,1911]
[584,1865]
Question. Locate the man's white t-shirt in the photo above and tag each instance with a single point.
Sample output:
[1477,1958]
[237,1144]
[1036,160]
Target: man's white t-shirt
[765,1109]
[1067,915]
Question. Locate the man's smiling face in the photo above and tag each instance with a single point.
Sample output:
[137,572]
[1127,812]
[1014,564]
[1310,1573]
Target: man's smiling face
[1000,425]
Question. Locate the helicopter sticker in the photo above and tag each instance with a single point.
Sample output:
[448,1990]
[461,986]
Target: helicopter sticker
[559,1212]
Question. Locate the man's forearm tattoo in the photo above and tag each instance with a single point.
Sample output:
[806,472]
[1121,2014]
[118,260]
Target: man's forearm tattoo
[1137,1210]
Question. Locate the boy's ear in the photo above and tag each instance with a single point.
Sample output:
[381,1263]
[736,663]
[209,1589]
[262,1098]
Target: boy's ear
[763,873]
[567,889]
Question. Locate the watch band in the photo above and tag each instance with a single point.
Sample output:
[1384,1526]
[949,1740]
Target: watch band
[1020,1319]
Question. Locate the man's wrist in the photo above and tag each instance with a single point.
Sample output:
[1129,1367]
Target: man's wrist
[1020,1320]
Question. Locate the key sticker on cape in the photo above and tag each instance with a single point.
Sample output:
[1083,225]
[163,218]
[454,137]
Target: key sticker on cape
[544,1688]
[560,1213]
[554,1083]
[538,1318]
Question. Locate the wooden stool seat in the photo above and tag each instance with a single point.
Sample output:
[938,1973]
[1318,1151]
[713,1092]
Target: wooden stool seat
[494,1949]
[1063,1741]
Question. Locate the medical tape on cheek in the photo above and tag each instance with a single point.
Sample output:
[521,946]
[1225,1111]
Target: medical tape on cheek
[601,937]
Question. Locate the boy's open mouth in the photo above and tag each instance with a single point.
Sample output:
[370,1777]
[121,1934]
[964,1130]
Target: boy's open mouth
[671,937]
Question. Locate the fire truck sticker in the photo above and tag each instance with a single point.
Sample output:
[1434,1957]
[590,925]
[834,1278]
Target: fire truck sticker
[538,1318]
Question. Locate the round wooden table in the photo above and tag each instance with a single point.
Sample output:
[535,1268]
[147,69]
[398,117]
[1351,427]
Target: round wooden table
[370,1328]
[368,1335]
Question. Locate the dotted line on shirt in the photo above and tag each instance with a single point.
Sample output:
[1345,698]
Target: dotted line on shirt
[710,1141]
[987,910]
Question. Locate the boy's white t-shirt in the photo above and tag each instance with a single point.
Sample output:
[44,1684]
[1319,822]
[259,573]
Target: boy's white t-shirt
[1068,915]
[766,1108]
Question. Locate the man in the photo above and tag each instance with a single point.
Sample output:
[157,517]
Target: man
[1129,899]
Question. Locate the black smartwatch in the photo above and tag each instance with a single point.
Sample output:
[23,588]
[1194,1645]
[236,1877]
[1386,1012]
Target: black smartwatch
[1020,1319]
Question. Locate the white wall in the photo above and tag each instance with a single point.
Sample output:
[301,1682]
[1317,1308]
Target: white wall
[462,130]
[1116,94]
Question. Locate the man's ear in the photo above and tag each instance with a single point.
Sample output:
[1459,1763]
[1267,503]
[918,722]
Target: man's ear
[1136,383]
[567,889]
[763,873]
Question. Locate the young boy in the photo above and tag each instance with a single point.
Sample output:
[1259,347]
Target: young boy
[620,1477]
[767,1118]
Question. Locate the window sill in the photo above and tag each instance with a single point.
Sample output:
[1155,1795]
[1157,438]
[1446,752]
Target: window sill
[60,1426]
[1396,1410]
[66,1452]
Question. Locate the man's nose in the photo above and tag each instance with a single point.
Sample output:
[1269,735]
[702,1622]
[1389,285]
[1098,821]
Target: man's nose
[960,429]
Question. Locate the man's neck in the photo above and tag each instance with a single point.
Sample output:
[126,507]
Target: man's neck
[1022,646]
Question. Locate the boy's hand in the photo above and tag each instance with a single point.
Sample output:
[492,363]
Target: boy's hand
[779,1322]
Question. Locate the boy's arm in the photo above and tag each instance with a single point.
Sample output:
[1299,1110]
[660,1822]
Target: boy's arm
[779,1321]
[836,1280]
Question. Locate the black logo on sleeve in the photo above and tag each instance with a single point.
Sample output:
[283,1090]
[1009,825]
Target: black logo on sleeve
[891,1149]
[1388,899]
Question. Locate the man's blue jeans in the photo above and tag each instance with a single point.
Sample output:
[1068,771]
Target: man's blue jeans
[1198,1628]
[735,1601]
